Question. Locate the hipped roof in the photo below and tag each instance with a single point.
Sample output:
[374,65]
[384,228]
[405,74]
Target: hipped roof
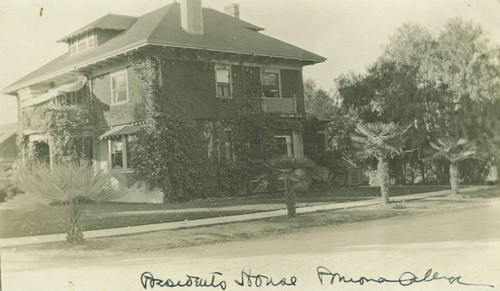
[110,21]
[163,27]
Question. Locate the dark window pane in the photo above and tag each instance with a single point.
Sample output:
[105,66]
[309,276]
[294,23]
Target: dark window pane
[223,90]
[281,146]
[116,154]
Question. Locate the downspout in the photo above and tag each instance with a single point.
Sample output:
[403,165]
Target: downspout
[242,78]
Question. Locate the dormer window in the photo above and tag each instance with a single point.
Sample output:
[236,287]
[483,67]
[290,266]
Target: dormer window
[82,42]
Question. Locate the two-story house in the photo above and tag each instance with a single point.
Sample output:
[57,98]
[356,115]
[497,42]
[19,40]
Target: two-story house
[96,66]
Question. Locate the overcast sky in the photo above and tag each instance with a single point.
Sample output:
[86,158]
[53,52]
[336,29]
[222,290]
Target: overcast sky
[350,33]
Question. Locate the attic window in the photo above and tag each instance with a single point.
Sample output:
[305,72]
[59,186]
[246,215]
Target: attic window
[83,42]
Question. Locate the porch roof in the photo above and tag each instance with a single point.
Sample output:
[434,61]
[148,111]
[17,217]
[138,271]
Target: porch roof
[119,130]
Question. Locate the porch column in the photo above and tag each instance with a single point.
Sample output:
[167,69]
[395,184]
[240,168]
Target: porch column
[298,145]
[51,155]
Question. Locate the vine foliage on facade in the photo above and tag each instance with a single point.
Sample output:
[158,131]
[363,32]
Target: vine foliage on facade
[179,155]
[59,124]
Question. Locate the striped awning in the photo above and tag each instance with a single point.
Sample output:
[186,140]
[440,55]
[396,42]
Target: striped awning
[73,86]
[119,130]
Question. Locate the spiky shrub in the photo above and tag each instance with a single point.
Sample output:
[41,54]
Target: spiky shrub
[292,171]
[72,184]
[455,150]
[381,141]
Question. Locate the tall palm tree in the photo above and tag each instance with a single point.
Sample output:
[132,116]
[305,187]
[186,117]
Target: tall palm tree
[455,150]
[381,141]
[292,171]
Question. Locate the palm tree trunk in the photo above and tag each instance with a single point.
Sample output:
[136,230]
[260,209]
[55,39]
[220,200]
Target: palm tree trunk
[383,179]
[290,198]
[74,233]
[454,179]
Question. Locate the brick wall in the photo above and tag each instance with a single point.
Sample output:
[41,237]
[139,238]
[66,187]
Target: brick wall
[107,114]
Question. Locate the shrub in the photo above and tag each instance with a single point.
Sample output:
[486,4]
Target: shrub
[73,185]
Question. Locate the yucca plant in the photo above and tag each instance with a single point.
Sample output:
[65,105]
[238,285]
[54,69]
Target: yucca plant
[455,150]
[381,141]
[72,184]
[292,171]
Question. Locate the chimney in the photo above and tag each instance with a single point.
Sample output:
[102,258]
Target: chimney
[191,16]
[233,10]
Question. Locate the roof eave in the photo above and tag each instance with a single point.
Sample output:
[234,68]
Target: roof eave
[13,89]
[313,60]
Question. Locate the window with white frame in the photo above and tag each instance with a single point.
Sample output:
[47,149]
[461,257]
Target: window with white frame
[284,145]
[223,81]
[119,87]
[120,152]
[271,83]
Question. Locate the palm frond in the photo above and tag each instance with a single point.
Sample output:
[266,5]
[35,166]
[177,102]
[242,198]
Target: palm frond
[455,149]
[380,139]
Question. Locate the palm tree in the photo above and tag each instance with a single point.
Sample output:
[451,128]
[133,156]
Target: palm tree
[381,141]
[455,150]
[73,185]
[292,171]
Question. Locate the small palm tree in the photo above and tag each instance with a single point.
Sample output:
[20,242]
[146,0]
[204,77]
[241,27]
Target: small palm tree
[292,171]
[381,141]
[455,150]
[72,184]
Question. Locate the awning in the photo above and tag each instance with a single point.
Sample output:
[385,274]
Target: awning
[54,92]
[119,130]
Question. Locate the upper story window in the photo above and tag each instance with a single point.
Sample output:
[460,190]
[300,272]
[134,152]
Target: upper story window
[271,83]
[223,81]
[80,97]
[119,87]
[83,42]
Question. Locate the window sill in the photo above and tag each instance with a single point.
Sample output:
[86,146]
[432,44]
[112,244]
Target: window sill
[228,97]
[119,103]
[122,171]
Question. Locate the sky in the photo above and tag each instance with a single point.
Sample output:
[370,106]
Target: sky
[349,33]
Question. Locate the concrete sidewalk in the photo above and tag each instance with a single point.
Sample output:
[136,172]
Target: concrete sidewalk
[18,241]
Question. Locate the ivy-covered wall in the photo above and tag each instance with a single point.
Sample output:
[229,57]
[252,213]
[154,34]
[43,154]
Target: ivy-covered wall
[195,81]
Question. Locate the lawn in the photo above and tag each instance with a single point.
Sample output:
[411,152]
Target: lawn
[51,219]
[169,239]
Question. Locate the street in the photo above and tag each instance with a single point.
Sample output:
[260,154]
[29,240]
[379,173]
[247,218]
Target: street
[462,246]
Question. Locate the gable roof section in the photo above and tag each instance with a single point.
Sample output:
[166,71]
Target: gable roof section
[110,21]
[162,27]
